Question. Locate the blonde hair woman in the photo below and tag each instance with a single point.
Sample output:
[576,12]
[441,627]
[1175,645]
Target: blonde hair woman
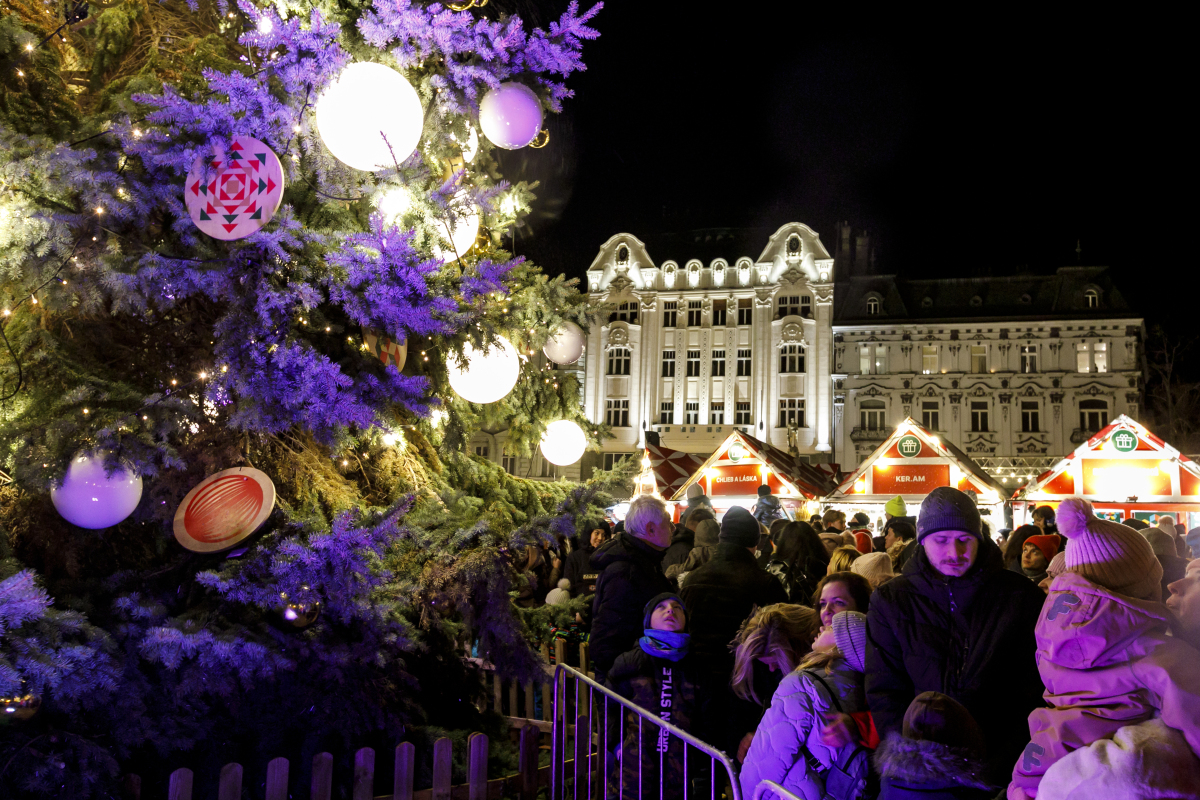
[841,560]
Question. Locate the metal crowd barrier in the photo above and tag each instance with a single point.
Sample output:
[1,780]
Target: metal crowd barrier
[775,789]
[580,769]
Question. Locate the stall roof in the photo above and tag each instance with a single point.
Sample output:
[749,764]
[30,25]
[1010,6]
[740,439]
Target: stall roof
[934,452]
[1104,469]
[805,479]
[671,468]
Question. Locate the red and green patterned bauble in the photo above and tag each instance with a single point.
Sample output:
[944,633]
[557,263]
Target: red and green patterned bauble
[237,191]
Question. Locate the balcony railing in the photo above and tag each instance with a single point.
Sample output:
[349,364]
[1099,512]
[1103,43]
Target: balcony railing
[860,434]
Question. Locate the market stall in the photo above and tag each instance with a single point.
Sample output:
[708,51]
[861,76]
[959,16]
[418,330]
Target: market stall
[664,471]
[732,474]
[910,463]
[1126,471]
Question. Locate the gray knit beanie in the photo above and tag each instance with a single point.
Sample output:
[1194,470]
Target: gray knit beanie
[738,527]
[948,509]
[850,635]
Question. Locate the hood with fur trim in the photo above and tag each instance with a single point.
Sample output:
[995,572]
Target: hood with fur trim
[925,762]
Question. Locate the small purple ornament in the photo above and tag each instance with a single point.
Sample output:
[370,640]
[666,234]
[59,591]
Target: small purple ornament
[91,499]
[510,115]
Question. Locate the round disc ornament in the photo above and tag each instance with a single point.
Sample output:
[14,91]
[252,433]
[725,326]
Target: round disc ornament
[235,192]
[223,509]
[384,348]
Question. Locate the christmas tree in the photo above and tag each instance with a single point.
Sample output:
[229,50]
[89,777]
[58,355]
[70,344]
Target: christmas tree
[198,274]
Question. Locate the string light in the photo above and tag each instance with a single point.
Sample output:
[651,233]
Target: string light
[203,375]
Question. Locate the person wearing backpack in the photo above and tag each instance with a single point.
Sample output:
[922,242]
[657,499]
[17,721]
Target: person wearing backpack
[787,747]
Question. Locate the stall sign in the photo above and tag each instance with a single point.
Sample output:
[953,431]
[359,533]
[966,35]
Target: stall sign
[1117,478]
[739,479]
[910,478]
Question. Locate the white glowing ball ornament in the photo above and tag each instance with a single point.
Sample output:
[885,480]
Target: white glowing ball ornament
[367,103]
[510,116]
[566,345]
[463,230]
[563,442]
[485,377]
[91,499]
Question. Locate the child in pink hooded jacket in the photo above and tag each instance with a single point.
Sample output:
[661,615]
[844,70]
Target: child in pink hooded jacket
[1103,650]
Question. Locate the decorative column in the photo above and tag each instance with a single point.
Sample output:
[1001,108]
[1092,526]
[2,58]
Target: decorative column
[651,341]
[765,357]
[823,297]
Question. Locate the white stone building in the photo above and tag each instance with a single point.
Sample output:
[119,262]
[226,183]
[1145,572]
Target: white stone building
[710,338]
[1016,371]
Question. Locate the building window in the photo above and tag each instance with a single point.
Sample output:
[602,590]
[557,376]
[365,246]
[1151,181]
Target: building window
[1093,415]
[546,469]
[1100,356]
[791,358]
[508,463]
[670,313]
[718,363]
[718,312]
[618,361]
[716,413]
[481,450]
[978,358]
[929,359]
[1029,358]
[743,363]
[618,413]
[693,363]
[694,313]
[930,414]
[806,306]
[691,413]
[881,359]
[1091,298]
[666,413]
[1030,416]
[742,414]
[626,312]
[668,370]
[864,359]
[872,306]
[745,308]
[788,306]
[622,255]
[872,358]
[872,414]
[791,412]
[794,245]
[611,460]
[979,416]
[1083,359]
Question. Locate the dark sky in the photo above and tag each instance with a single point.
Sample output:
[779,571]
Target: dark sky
[961,143]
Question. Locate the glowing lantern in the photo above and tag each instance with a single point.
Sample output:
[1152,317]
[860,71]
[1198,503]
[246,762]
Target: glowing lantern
[563,442]
[860,486]
[566,346]
[485,377]
[510,115]
[90,498]
[370,118]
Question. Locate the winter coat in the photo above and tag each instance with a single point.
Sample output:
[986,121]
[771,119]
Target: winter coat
[698,557]
[790,732]
[799,583]
[579,571]
[915,769]
[1173,568]
[682,542]
[630,576]
[969,637]
[767,509]
[718,597]
[1140,761]
[646,681]
[1107,662]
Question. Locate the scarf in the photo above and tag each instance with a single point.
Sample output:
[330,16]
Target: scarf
[665,644]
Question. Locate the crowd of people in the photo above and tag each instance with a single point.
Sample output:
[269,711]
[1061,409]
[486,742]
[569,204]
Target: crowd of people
[924,659]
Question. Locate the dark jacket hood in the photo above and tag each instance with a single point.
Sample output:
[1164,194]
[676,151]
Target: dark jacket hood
[624,547]
[931,764]
[683,536]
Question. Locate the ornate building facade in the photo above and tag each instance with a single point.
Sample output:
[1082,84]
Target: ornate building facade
[710,338]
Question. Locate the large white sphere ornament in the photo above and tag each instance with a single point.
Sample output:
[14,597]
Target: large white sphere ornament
[367,103]
[510,115]
[485,377]
[92,499]
[563,442]
[460,230]
[566,345]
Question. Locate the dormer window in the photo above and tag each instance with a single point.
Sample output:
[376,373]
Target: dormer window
[622,255]
[872,306]
[1091,299]
[976,301]
[793,245]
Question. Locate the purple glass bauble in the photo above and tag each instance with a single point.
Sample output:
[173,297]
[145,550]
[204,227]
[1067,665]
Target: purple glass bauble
[510,115]
[91,499]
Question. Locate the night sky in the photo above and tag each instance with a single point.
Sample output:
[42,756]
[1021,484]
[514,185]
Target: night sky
[962,144]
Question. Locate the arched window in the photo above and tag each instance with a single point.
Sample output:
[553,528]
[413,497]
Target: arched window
[1093,415]
[873,414]
[1091,299]
[793,245]
[622,255]
[618,361]
[872,306]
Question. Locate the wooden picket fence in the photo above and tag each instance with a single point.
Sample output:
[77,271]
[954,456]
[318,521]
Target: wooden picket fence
[532,728]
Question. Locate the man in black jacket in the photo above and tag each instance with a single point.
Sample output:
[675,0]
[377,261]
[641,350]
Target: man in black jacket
[630,568]
[959,623]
